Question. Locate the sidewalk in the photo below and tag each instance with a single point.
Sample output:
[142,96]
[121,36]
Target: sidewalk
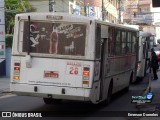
[155,105]
[4,85]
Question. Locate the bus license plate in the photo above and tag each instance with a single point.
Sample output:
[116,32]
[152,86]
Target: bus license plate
[51,74]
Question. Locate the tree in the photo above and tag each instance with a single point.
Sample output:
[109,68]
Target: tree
[13,7]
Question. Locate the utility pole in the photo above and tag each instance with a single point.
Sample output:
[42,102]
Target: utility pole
[102,10]
[85,13]
[121,8]
[119,11]
[51,5]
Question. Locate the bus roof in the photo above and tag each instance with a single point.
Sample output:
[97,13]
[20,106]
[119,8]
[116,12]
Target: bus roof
[42,16]
[118,25]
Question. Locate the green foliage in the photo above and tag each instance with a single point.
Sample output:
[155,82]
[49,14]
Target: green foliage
[13,7]
[9,40]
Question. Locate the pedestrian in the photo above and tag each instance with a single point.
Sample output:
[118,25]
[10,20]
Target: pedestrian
[154,64]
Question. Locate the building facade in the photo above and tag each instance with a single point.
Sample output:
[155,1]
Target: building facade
[90,8]
[138,12]
[141,12]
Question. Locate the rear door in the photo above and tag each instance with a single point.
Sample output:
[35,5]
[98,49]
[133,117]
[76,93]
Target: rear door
[104,35]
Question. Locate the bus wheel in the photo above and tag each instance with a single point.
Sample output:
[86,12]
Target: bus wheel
[109,96]
[130,81]
[48,100]
[57,101]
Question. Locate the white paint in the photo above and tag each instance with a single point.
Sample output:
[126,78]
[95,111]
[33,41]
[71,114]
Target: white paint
[69,48]
[31,77]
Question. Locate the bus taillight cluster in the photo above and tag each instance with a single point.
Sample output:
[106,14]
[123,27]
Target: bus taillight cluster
[86,73]
[16,74]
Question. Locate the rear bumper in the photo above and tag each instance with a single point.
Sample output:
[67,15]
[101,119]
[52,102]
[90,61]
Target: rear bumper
[56,92]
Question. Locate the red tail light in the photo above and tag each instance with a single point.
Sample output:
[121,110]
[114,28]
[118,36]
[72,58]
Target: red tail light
[16,72]
[16,68]
[86,74]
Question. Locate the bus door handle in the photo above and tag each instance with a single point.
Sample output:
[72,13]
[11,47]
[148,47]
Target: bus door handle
[28,61]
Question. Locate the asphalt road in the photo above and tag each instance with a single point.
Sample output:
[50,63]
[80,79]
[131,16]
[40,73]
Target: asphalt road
[120,104]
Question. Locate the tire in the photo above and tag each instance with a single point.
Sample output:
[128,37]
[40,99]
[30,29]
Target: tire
[57,101]
[48,100]
[109,96]
[51,101]
[131,79]
[126,89]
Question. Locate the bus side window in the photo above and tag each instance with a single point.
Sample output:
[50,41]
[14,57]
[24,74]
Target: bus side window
[98,41]
[129,42]
[134,43]
[124,43]
[144,47]
[110,41]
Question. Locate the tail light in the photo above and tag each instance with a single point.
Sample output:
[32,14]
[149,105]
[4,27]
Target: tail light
[86,75]
[16,73]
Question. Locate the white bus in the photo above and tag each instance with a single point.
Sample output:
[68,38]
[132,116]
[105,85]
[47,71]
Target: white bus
[59,56]
[143,55]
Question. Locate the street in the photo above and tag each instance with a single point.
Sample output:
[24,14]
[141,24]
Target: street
[121,102]
[79,50]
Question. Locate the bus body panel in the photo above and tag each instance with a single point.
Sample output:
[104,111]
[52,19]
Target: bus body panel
[117,73]
[31,78]
[52,91]
[60,72]
[84,77]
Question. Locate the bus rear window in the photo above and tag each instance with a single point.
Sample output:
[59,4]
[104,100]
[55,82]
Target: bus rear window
[54,38]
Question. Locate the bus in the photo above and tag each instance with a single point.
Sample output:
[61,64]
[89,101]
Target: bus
[58,56]
[143,55]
